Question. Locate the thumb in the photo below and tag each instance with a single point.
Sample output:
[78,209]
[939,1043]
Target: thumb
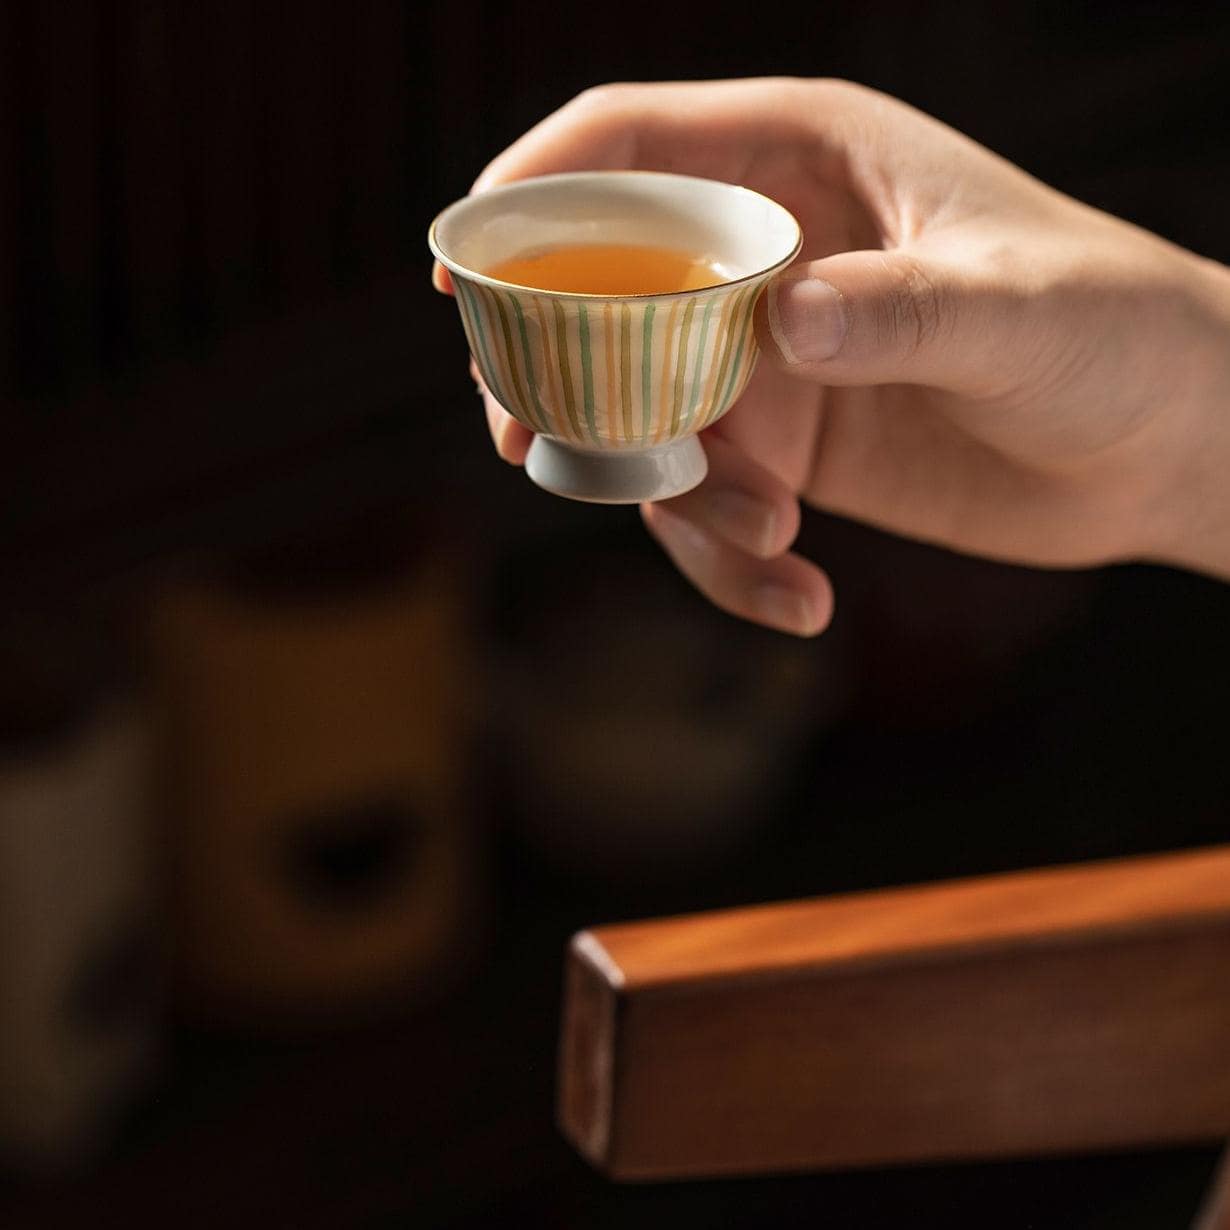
[878,317]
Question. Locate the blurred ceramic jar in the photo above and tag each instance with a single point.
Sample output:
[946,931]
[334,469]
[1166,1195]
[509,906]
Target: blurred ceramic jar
[316,705]
[79,1001]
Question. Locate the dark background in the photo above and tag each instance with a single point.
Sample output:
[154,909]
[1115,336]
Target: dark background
[221,355]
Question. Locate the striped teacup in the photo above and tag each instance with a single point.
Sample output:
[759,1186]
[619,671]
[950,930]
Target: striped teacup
[615,388]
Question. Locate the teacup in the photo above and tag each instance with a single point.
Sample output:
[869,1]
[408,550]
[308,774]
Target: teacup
[615,387]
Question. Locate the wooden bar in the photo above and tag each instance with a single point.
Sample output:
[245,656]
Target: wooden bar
[298,76]
[1043,1012]
[223,106]
[11,101]
[72,147]
[383,142]
[153,175]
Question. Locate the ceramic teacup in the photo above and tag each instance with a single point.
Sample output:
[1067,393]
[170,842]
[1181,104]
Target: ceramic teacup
[615,388]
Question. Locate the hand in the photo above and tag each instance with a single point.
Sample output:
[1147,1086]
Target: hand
[961,355]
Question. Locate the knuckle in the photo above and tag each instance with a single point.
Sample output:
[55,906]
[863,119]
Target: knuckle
[914,309]
[599,97]
[840,87]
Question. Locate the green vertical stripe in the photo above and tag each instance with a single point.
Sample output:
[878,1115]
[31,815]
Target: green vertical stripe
[744,333]
[681,363]
[565,367]
[728,346]
[698,383]
[464,308]
[587,372]
[555,413]
[749,367]
[646,366]
[530,379]
[625,368]
[490,375]
[523,400]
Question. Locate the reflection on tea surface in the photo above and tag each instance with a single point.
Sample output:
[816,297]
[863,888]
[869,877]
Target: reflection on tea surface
[610,269]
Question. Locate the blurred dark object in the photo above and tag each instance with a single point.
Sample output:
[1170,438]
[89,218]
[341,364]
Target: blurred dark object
[79,966]
[640,732]
[184,175]
[211,246]
[318,702]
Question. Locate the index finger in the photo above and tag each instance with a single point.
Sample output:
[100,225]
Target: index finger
[441,279]
[714,128]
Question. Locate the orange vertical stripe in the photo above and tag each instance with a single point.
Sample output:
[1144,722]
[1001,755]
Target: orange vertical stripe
[664,417]
[703,411]
[612,420]
[551,397]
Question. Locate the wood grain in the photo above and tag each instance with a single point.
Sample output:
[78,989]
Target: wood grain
[1049,1011]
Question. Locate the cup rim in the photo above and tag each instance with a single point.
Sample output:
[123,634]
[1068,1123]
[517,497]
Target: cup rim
[483,279]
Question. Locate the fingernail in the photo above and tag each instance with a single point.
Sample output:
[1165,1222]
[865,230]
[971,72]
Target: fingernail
[785,609]
[742,519]
[807,319]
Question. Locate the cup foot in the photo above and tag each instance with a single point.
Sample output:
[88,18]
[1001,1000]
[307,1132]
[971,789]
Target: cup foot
[617,477]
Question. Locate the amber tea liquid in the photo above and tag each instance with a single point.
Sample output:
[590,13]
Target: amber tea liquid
[610,269]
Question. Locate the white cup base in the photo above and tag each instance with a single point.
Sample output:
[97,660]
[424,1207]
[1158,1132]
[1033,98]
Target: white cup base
[617,477]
